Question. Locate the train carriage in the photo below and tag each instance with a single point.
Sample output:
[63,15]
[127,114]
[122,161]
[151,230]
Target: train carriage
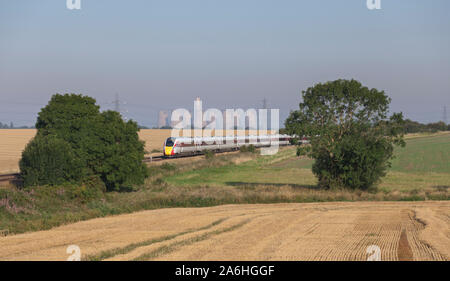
[178,146]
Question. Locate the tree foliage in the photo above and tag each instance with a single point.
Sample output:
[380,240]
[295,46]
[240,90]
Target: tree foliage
[351,136]
[118,160]
[416,127]
[104,144]
[49,161]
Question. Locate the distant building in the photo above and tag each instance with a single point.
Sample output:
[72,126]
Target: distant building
[198,122]
[163,118]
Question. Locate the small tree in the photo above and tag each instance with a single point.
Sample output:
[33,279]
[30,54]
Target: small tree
[351,136]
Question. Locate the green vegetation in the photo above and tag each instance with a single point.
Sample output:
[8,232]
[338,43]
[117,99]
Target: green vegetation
[49,161]
[73,133]
[429,154]
[209,154]
[351,137]
[248,148]
[12,126]
[416,127]
[6,126]
[260,170]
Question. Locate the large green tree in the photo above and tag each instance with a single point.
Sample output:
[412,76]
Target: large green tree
[104,144]
[351,137]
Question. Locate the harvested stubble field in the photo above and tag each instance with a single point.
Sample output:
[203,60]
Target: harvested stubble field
[12,143]
[313,231]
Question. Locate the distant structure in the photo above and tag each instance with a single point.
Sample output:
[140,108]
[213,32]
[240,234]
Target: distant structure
[117,104]
[163,118]
[198,109]
[117,107]
[444,115]
[264,103]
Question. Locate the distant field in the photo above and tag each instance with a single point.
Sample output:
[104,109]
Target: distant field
[424,154]
[12,142]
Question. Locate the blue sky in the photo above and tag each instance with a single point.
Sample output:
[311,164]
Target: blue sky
[232,53]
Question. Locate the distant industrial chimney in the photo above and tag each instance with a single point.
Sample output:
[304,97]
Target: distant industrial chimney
[162,118]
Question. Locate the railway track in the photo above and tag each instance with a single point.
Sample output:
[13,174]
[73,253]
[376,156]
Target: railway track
[8,177]
[149,159]
[153,159]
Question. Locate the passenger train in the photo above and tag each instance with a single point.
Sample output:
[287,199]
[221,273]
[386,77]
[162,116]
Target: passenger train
[180,146]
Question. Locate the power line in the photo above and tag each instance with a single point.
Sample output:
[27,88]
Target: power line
[117,106]
[444,115]
[117,103]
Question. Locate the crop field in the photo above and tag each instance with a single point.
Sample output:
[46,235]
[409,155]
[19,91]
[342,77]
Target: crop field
[424,155]
[12,143]
[315,231]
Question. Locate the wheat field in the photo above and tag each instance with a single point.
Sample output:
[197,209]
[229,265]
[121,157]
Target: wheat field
[314,231]
[12,143]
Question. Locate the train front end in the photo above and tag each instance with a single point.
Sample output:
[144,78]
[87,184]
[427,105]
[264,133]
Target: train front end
[169,147]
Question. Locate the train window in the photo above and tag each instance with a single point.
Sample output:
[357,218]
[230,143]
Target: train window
[170,142]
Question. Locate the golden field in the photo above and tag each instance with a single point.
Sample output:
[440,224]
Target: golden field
[12,143]
[313,231]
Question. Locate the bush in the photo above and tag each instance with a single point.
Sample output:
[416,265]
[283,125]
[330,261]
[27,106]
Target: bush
[48,160]
[209,154]
[248,148]
[416,127]
[168,167]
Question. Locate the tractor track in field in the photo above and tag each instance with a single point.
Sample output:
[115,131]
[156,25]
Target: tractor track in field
[313,231]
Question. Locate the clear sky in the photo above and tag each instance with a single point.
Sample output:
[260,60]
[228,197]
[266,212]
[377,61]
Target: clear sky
[161,54]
